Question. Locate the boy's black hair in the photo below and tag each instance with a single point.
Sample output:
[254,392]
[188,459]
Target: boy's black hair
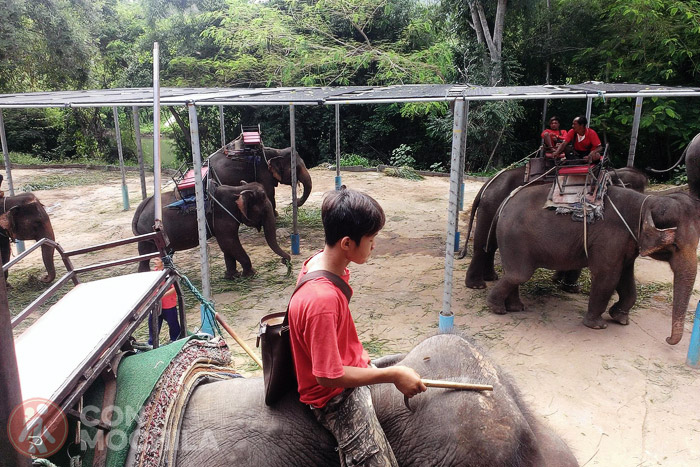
[350,213]
[582,120]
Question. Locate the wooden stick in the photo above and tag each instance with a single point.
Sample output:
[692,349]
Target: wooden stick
[233,334]
[433,383]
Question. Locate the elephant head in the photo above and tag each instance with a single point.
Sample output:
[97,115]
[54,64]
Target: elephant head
[280,165]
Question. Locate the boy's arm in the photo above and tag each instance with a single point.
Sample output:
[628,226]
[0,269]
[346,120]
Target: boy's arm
[406,379]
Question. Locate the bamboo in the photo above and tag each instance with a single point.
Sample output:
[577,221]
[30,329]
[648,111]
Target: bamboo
[233,334]
[432,383]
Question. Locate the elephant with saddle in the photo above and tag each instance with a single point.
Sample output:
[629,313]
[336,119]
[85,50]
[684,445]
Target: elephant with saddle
[445,427]
[231,206]
[271,167]
[663,227]
[490,196]
[28,221]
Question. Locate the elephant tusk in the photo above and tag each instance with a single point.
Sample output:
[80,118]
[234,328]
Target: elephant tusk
[433,383]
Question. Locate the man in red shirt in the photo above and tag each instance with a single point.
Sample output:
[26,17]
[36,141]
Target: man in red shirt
[332,367]
[586,142]
[552,136]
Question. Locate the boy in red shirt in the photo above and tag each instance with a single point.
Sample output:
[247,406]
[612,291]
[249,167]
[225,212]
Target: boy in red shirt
[552,136]
[586,142]
[332,367]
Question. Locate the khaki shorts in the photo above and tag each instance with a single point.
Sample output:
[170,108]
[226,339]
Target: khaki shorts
[350,416]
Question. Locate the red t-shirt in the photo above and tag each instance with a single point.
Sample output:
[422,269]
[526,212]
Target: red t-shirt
[170,301]
[589,142]
[323,338]
[555,133]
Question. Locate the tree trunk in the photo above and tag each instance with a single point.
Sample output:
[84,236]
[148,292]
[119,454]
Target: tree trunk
[492,41]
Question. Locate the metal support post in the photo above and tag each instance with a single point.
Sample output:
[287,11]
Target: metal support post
[221,124]
[201,220]
[589,106]
[139,150]
[462,159]
[158,202]
[292,137]
[635,131]
[125,190]
[446,321]
[693,359]
[338,179]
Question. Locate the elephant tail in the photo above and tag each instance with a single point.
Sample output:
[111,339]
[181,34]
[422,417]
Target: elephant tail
[475,206]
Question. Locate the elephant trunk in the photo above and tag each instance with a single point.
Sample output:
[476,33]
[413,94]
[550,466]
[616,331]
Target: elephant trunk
[47,253]
[270,229]
[304,178]
[684,272]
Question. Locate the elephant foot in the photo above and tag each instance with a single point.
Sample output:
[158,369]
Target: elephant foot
[47,279]
[595,323]
[248,273]
[619,315]
[518,306]
[475,284]
[491,276]
[570,288]
[496,308]
[232,275]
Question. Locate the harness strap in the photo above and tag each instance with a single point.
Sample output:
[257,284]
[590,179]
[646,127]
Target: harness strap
[224,208]
[623,219]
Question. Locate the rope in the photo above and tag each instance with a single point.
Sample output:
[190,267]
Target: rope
[622,218]
[209,311]
[211,197]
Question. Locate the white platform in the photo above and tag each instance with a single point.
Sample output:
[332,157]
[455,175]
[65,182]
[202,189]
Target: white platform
[52,350]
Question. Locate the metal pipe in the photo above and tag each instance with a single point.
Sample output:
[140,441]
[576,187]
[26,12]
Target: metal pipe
[117,132]
[446,316]
[139,150]
[635,131]
[221,124]
[8,171]
[201,218]
[338,179]
[157,202]
[293,141]
[589,105]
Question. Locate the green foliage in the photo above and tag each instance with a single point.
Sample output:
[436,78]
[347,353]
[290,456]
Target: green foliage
[350,160]
[408,173]
[401,156]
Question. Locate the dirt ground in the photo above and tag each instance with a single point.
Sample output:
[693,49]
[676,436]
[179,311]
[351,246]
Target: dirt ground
[618,397]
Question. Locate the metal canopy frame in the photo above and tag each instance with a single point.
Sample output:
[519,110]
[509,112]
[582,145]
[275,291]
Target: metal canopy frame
[460,95]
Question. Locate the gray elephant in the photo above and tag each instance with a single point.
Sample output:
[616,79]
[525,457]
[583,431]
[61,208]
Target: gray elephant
[487,201]
[29,221]
[446,427]
[275,166]
[664,227]
[230,207]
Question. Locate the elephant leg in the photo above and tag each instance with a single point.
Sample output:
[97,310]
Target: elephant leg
[47,256]
[144,249]
[5,251]
[602,288]
[490,273]
[513,302]
[481,267]
[627,291]
[233,251]
[504,296]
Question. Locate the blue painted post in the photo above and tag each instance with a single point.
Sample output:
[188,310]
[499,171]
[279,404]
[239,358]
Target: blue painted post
[338,182]
[295,244]
[456,241]
[693,359]
[446,323]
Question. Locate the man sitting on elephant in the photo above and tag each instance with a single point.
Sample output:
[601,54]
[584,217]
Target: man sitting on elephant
[332,367]
[586,141]
[552,136]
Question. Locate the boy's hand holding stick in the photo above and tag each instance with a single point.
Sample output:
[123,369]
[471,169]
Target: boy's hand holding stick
[433,383]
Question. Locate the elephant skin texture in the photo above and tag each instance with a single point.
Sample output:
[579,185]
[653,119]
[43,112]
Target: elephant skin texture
[666,227]
[278,169]
[245,204]
[228,423]
[487,202]
[28,221]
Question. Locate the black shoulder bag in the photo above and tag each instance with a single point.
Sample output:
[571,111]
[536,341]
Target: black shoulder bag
[273,340]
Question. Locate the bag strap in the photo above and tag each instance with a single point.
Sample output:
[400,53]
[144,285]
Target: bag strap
[309,276]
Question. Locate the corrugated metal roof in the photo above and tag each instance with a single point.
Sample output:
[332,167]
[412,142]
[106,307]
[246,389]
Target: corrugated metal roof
[333,95]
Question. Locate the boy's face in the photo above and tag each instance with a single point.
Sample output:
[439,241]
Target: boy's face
[157,264]
[359,254]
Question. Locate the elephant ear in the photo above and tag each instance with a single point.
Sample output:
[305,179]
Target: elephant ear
[7,222]
[276,166]
[652,239]
[242,202]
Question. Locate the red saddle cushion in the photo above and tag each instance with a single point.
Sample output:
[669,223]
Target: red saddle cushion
[251,137]
[188,180]
[575,169]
